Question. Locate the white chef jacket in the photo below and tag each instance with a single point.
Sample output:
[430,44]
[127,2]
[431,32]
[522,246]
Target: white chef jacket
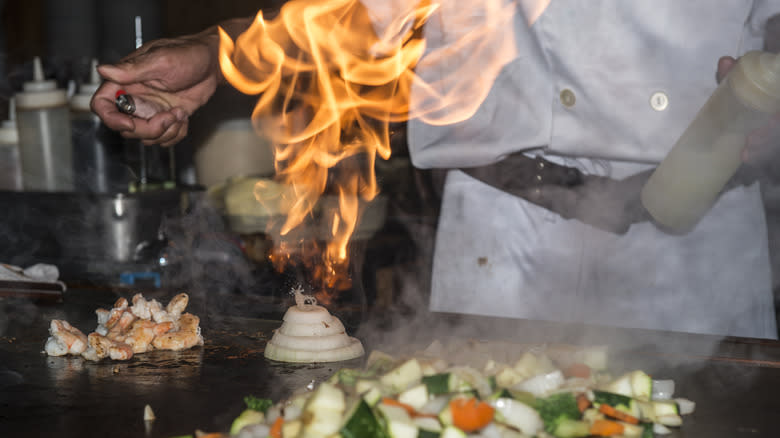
[607,86]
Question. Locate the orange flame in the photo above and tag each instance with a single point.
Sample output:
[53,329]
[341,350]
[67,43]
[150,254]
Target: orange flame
[329,85]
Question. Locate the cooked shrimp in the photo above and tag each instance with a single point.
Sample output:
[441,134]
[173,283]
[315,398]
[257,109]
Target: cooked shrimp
[158,313]
[116,313]
[120,351]
[65,339]
[187,335]
[142,332]
[99,346]
[177,305]
[102,316]
[140,307]
[119,331]
[102,347]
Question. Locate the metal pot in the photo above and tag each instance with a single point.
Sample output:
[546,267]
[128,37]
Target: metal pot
[85,233]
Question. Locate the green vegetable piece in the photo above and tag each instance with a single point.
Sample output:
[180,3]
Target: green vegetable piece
[647,430]
[348,376]
[363,423]
[521,396]
[258,404]
[437,384]
[610,398]
[568,428]
[557,408]
[249,416]
[428,434]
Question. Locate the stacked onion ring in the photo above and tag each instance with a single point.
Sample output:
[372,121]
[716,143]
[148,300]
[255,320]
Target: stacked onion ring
[309,333]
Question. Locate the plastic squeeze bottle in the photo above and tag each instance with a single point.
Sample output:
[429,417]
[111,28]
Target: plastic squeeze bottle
[688,181]
[98,152]
[45,146]
[10,169]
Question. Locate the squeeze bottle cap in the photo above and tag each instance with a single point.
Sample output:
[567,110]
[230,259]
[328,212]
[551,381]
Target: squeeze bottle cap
[8,132]
[80,101]
[756,81]
[40,93]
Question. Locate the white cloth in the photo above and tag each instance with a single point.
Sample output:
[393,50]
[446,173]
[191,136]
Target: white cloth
[39,272]
[500,255]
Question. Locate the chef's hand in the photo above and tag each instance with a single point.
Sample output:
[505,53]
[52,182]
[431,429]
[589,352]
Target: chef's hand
[759,145]
[169,79]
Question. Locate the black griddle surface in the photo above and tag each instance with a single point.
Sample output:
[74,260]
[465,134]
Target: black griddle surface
[734,382]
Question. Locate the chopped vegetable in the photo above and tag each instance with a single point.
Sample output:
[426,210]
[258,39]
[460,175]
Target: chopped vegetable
[469,414]
[582,402]
[606,428]
[362,422]
[393,402]
[276,428]
[423,398]
[617,414]
[249,416]
[258,404]
[556,408]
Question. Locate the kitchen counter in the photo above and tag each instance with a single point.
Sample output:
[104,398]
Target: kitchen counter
[734,381]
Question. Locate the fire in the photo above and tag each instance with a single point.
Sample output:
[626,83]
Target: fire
[329,84]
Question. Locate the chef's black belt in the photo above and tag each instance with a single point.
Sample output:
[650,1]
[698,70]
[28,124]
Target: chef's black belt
[605,203]
[609,204]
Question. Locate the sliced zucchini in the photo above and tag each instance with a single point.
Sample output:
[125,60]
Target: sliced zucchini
[326,396]
[324,411]
[399,424]
[445,416]
[568,428]
[403,376]
[635,384]
[521,396]
[416,396]
[452,432]
[444,383]
[371,390]
[249,416]
[664,412]
[361,422]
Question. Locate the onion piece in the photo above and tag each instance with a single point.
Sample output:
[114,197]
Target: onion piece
[663,389]
[310,333]
[685,406]
[542,384]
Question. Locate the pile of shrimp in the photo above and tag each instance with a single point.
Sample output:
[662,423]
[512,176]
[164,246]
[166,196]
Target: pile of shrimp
[126,330]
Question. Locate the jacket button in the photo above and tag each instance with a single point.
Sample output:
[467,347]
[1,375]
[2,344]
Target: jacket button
[659,101]
[567,98]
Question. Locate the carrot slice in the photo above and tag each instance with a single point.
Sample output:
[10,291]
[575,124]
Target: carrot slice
[276,428]
[582,402]
[470,415]
[606,428]
[618,414]
[577,370]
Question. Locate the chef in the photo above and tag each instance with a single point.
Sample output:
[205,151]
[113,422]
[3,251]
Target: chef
[540,216]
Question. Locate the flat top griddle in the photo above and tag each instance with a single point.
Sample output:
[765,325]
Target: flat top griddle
[734,382]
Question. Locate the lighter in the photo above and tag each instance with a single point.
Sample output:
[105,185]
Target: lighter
[125,102]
